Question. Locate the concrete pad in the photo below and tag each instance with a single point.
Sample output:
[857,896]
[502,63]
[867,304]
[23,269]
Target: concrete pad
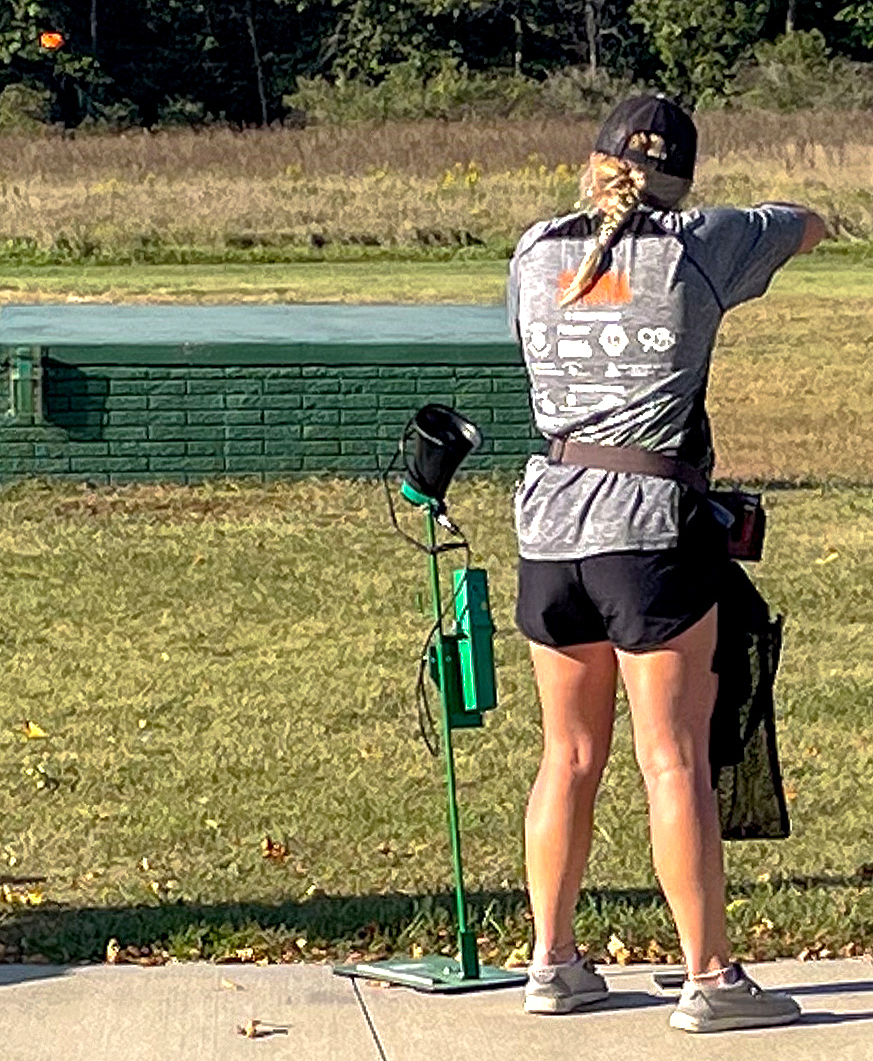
[837,999]
[176,1012]
[129,1013]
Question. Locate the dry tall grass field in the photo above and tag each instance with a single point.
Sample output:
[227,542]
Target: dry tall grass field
[279,192]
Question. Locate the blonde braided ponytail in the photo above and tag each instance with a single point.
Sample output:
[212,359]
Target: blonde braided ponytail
[616,187]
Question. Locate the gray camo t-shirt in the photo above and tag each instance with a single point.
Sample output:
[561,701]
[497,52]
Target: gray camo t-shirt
[629,363]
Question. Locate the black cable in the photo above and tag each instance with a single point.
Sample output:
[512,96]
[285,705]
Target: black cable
[427,727]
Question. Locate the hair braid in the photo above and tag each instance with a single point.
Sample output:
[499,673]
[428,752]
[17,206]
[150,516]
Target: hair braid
[616,187]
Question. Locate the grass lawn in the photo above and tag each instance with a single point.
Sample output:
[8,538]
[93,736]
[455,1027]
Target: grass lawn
[342,281]
[186,672]
[475,275]
[219,665]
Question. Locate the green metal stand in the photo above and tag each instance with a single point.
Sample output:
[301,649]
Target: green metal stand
[435,972]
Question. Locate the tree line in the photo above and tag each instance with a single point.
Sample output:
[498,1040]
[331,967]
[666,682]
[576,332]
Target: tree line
[157,62]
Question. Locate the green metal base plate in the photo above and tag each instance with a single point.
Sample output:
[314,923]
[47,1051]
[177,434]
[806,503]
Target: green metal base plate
[433,973]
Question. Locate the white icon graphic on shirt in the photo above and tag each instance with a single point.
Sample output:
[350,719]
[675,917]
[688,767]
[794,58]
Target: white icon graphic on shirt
[537,339]
[608,401]
[614,339]
[598,316]
[546,403]
[612,370]
[659,339]
[574,348]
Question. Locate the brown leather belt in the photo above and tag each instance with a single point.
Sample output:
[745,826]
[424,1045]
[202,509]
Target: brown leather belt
[633,459]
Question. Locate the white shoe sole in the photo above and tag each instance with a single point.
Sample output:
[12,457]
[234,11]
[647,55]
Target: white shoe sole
[687,1023]
[567,1004]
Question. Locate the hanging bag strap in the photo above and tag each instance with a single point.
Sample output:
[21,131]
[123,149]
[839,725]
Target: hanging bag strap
[633,459]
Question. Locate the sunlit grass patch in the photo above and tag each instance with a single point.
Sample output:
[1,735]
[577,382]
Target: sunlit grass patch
[219,665]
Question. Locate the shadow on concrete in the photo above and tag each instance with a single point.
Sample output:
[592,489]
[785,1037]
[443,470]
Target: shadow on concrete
[619,1000]
[809,1019]
[24,974]
[847,987]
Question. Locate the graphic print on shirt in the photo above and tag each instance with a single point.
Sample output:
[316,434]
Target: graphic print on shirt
[612,288]
[588,360]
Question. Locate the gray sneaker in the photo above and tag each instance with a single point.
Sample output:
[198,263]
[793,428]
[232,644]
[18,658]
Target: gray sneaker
[563,988]
[739,1005]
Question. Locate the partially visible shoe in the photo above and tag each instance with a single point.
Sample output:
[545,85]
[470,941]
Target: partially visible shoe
[741,1004]
[563,988]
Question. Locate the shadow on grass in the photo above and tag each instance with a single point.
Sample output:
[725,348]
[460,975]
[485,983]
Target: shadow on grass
[329,927]
[328,923]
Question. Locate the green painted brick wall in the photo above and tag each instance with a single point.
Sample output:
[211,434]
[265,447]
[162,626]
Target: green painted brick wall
[114,423]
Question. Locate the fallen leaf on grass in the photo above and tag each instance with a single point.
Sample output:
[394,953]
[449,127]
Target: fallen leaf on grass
[655,952]
[32,730]
[519,958]
[30,897]
[762,928]
[829,558]
[618,949]
[271,849]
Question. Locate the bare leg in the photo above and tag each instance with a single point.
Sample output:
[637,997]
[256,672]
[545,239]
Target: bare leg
[577,692]
[672,692]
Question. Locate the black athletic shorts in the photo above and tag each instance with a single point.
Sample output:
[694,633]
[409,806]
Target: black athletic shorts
[636,600]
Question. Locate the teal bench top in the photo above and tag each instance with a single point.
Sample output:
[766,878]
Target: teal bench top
[322,333]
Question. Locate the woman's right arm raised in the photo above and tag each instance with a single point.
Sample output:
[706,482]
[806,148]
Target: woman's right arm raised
[814,232]
[815,227]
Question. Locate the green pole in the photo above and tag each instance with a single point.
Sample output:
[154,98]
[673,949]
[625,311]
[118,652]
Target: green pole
[469,958]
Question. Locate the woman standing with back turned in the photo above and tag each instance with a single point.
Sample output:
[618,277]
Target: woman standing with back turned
[617,313]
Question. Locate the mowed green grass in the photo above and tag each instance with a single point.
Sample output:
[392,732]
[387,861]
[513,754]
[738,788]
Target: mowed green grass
[475,275]
[216,665]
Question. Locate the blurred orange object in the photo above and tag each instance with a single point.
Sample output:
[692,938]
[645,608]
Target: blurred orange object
[51,41]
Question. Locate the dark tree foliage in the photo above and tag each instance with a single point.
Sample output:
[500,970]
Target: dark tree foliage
[153,62]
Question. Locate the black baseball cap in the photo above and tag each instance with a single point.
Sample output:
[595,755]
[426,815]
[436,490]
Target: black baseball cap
[651,114]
